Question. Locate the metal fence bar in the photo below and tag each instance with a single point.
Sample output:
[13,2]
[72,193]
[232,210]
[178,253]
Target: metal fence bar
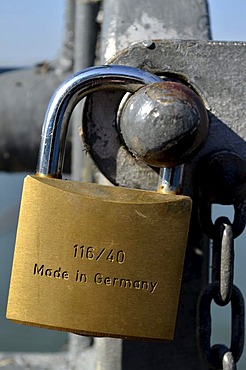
[85,38]
[125,22]
[108,354]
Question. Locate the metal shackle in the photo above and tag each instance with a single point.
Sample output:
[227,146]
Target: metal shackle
[66,97]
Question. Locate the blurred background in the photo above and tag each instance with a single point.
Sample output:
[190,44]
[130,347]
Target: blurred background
[32,32]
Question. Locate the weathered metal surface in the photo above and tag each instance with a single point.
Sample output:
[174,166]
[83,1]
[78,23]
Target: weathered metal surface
[215,70]
[202,65]
[130,21]
[163,124]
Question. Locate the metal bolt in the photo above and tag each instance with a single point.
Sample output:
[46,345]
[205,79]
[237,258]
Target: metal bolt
[164,123]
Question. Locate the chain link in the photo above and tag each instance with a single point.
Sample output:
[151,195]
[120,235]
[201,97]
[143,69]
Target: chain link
[208,226]
[228,362]
[223,260]
[212,355]
[221,290]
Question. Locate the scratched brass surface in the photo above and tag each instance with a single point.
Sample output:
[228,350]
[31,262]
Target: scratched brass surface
[98,260]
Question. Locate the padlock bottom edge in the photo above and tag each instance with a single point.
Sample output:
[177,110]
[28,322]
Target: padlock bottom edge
[91,334]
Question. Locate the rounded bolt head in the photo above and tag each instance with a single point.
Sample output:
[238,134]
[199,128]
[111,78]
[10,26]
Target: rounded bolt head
[164,123]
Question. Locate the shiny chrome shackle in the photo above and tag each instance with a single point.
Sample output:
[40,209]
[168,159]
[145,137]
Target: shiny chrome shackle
[66,97]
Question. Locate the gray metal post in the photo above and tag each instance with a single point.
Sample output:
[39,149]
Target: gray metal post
[108,353]
[84,56]
[85,36]
[66,57]
[125,22]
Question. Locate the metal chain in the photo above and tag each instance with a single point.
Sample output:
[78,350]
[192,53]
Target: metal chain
[238,224]
[223,260]
[222,291]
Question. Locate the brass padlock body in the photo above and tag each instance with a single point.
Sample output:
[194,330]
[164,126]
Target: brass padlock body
[98,260]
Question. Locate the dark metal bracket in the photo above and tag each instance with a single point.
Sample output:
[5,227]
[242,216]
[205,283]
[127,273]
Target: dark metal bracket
[215,70]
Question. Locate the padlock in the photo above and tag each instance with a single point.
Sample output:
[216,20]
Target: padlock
[92,259]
